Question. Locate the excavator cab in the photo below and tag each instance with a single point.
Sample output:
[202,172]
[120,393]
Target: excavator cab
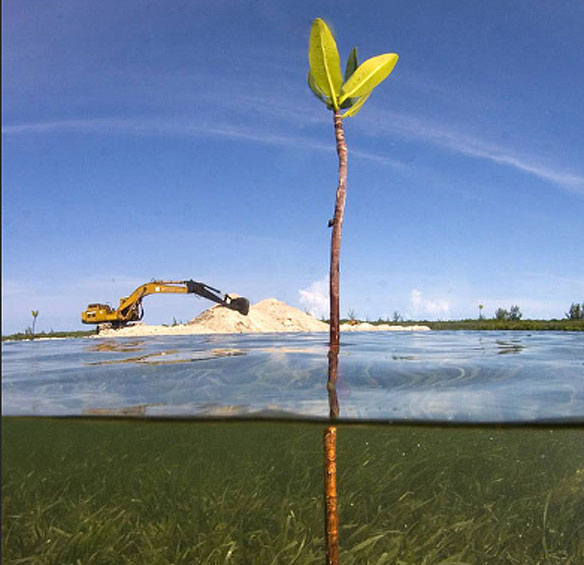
[95,313]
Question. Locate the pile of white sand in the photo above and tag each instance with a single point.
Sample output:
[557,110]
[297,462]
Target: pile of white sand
[269,315]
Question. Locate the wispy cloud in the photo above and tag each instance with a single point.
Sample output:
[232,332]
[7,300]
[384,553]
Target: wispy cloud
[453,139]
[184,128]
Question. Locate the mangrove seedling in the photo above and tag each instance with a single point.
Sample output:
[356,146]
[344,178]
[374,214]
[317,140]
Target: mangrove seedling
[338,92]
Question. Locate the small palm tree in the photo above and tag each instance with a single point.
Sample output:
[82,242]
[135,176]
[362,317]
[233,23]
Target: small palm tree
[481,306]
[35,315]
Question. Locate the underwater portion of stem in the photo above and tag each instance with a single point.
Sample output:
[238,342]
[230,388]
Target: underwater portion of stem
[330,496]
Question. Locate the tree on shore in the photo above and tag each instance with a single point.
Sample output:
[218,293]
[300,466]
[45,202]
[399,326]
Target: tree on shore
[576,311]
[513,314]
[35,315]
[501,314]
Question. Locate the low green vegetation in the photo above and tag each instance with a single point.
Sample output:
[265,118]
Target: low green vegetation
[25,336]
[525,325]
[495,324]
[123,491]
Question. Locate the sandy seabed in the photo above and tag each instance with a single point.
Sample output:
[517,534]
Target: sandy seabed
[267,316]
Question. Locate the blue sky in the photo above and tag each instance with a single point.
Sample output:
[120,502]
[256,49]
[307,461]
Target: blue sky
[177,140]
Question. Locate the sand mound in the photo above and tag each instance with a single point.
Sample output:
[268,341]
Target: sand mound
[269,315]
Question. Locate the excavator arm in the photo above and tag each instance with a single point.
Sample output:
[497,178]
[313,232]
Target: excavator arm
[238,303]
[130,308]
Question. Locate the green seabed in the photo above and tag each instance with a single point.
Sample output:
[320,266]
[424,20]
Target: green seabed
[159,492]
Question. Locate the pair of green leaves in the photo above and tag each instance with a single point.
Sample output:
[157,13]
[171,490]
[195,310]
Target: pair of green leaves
[325,79]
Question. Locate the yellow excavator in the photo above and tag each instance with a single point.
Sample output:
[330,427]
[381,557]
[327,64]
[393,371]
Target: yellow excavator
[130,308]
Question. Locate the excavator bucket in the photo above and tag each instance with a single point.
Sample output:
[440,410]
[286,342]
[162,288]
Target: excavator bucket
[239,304]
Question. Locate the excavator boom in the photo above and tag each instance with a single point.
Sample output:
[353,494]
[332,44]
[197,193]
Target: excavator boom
[130,308]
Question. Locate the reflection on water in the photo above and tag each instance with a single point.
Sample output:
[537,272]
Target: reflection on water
[128,411]
[171,356]
[512,346]
[203,410]
[176,356]
[116,345]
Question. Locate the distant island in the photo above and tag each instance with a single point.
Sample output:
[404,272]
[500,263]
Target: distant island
[485,324]
[274,316]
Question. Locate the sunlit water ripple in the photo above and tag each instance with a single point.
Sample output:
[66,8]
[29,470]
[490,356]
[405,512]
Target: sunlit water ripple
[441,376]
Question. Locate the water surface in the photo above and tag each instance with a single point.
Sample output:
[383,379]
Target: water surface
[440,376]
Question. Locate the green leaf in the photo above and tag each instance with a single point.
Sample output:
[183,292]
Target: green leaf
[356,106]
[351,64]
[368,75]
[324,60]
[315,90]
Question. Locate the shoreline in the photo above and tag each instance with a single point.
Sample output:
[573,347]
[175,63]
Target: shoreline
[186,329]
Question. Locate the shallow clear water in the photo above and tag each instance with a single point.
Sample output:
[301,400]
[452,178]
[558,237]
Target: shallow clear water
[95,490]
[439,376]
[242,490]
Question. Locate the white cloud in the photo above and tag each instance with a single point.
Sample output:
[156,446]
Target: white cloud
[421,305]
[315,298]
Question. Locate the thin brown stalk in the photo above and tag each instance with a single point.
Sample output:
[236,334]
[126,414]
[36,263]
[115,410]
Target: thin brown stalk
[330,433]
[330,489]
[337,225]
